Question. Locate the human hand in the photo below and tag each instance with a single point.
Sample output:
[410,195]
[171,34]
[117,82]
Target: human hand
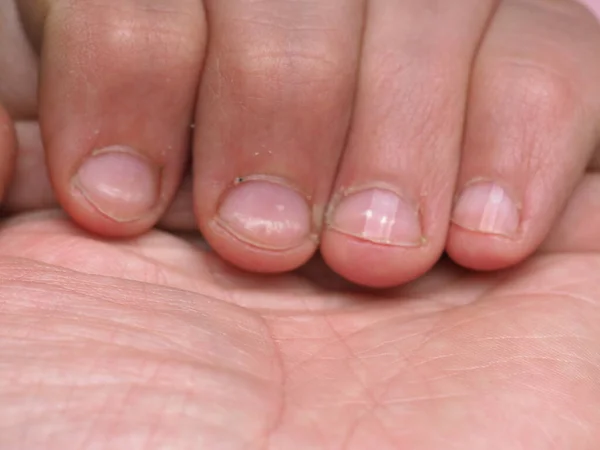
[288,92]
[152,343]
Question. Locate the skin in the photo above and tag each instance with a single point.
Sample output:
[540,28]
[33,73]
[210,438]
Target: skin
[154,343]
[419,99]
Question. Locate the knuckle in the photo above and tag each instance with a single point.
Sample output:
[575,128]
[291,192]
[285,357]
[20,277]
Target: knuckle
[304,72]
[537,92]
[536,106]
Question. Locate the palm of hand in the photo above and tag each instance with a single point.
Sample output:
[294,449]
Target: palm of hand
[153,344]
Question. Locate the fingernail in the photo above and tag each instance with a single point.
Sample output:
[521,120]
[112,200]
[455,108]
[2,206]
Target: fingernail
[378,216]
[119,183]
[266,214]
[487,208]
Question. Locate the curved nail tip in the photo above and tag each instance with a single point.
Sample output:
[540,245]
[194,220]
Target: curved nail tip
[382,242]
[220,224]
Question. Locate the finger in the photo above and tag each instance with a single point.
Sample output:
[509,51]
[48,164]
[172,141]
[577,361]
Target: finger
[18,66]
[30,187]
[7,150]
[118,84]
[390,210]
[17,87]
[274,107]
[533,120]
[578,227]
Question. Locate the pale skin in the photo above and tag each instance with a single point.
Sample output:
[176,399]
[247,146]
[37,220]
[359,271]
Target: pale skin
[381,132]
[153,342]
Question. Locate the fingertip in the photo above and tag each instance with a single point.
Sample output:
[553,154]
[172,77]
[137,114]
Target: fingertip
[262,225]
[115,108]
[30,186]
[484,252]
[115,192]
[374,265]
[529,134]
[259,260]
[486,231]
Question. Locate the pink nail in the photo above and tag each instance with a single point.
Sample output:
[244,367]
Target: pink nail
[378,216]
[119,183]
[486,208]
[266,214]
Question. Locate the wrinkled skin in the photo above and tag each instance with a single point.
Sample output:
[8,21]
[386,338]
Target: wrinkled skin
[156,344]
